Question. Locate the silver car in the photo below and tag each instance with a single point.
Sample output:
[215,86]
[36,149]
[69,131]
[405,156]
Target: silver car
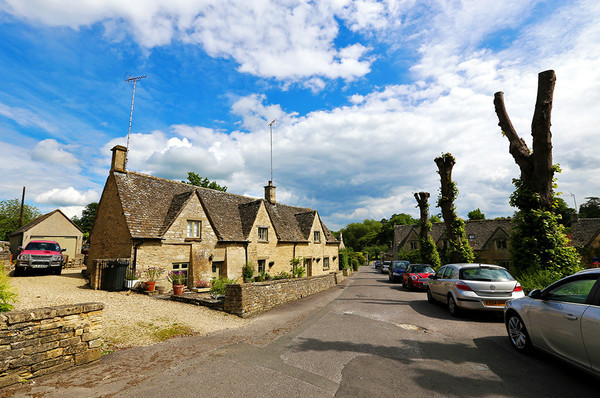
[473,287]
[563,320]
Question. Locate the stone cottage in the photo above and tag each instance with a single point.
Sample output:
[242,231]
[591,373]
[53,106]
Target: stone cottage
[586,238]
[488,239]
[177,226]
[55,226]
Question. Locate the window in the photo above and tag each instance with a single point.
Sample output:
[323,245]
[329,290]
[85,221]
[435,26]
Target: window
[501,244]
[263,234]
[193,229]
[413,245]
[448,273]
[261,266]
[182,267]
[471,236]
[325,262]
[317,236]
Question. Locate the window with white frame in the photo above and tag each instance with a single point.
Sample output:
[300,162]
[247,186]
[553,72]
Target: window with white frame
[263,234]
[325,262]
[193,229]
[317,236]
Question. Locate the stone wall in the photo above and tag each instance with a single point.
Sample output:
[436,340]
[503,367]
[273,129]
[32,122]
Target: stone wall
[253,298]
[47,340]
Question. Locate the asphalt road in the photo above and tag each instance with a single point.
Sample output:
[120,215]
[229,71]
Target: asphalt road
[364,338]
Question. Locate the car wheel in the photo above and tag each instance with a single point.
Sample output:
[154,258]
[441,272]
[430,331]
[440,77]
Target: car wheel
[57,271]
[390,278]
[19,271]
[410,286]
[452,307]
[517,333]
[430,298]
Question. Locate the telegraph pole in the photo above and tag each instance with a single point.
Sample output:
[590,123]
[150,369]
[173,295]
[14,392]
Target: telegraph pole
[134,80]
[21,212]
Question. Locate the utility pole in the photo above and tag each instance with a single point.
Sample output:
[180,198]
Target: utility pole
[21,212]
[134,80]
[271,129]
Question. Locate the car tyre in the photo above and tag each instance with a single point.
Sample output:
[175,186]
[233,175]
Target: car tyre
[57,271]
[390,278]
[517,333]
[452,307]
[430,298]
[19,271]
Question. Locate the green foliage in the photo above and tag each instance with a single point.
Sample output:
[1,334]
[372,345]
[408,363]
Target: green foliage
[428,253]
[247,272]
[476,215]
[88,215]
[198,181]
[7,296]
[344,258]
[435,218]
[375,251]
[361,234]
[219,285]
[9,216]
[413,256]
[537,278]
[282,275]
[153,273]
[591,208]
[386,234]
[298,272]
[538,241]
[355,264]
[565,212]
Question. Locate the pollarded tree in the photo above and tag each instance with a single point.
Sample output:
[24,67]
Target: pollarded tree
[458,250]
[537,240]
[429,252]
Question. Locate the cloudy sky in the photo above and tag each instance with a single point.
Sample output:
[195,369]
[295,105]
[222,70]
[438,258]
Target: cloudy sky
[365,95]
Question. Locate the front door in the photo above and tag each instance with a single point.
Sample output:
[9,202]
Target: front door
[216,269]
[308,266]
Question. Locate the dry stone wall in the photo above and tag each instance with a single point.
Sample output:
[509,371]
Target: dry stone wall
[253,298]
[47,340]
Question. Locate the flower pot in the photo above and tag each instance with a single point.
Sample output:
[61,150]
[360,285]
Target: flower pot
[149,286]
[130,283]
[178,289]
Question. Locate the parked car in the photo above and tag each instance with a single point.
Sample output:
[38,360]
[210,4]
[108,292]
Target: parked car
[377,263]
[385,265]
[417,276]
[563,320]
[40,254]
[473,287]
[396,269]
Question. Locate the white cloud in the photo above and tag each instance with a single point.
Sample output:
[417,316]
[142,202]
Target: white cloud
[26,117]
[289,40]
[50,150]
[67,196]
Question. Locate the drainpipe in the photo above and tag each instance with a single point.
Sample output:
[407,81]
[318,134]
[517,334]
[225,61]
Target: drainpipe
[246,252]
[135,249]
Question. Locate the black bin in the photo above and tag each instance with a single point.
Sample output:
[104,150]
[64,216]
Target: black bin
[113,276]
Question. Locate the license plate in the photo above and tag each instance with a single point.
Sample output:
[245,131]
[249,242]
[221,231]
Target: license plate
[425,282]
[494,303]
[39,266]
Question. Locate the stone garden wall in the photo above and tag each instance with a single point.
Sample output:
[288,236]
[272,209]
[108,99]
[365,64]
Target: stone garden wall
[253,298]
[46,340]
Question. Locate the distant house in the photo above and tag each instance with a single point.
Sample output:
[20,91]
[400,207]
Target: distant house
[177,226]
[55,226]
[586,237]
[488,238]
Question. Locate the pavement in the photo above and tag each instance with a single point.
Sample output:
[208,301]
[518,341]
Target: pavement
[365,337]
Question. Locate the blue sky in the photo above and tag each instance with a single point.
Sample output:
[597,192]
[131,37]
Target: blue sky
[365,93]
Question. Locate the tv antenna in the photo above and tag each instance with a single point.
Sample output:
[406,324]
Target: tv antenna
[271,129]
[129,80]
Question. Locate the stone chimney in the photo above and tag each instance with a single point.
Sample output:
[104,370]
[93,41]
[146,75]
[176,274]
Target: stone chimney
[270,192]
[119,153]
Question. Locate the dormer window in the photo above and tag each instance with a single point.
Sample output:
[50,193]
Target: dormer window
[193,229]
[263,234]
[471,236]
[501,244]
[317,236]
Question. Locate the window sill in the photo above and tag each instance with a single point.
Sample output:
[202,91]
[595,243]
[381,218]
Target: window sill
[193,239]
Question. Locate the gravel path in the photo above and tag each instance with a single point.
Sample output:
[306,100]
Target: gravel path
[130,319]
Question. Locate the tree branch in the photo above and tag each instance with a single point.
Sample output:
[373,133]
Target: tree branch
[517,148]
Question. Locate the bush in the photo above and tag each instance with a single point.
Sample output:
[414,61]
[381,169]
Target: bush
[282,275]
[355,264]
[536,278]
[7,297]
[298,272]
[218,286]
[247,272]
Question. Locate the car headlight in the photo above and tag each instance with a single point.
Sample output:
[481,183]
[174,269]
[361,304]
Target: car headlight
[56,257]
[414,277]
[24,257]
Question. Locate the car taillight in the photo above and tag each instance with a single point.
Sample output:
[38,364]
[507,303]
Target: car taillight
[518,288]
[463,286]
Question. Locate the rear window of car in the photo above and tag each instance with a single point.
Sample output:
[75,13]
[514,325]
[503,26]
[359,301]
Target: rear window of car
[399,264]
[485,274]
[43,246]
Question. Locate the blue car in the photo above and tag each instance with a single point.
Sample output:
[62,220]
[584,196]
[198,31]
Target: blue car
[397,268]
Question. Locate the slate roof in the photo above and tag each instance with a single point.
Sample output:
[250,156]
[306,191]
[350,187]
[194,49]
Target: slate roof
[39,219]
[482,229]
[585,230]
[151,205]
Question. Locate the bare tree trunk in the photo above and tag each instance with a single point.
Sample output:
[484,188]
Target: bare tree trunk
[428,250]
[422,200]
[536,167]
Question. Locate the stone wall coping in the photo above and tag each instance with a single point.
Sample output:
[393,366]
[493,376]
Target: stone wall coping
[273,282]
[37,314]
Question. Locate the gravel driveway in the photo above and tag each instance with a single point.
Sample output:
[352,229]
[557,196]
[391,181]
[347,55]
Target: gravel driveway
[130,319]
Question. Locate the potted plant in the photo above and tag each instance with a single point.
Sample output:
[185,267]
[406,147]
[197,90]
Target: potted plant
[150,277]
[177,278]
[132,277]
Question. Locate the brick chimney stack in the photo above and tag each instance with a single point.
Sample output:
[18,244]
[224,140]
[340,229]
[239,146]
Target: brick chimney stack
[118,158]
[270,193]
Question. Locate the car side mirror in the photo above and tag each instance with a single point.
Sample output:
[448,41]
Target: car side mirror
[20,248]
[63,250]
[535,294]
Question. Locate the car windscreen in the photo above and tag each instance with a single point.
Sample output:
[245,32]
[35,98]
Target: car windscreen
[422,269]
[485,274]
[43,246]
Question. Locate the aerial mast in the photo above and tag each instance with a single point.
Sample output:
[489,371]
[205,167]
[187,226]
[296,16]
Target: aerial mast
[271,129]
[129,80]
